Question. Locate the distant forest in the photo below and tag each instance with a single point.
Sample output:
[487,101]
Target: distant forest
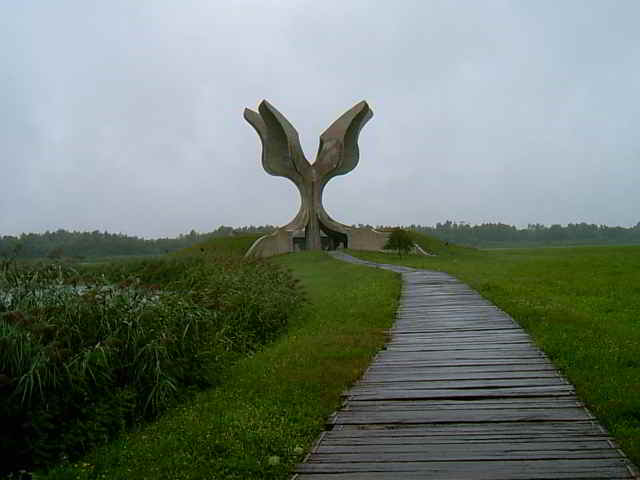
[80,245]
[501,235]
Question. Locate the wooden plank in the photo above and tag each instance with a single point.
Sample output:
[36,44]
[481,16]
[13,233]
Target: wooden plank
[453,340]
[435,454]
[456,369]
[408,376]
[455,323]
[461,450]
[463,351]
[470,334]
[422,314]
[417,353]
[435,334]
[470,431]
[503,403]
[432,328]
[473,415]
[392,365]
[597,475]
[399,394]
[455,442]
[459,347]
[366,385]
[462,339]
[482,469]
[389,363]
[460,391]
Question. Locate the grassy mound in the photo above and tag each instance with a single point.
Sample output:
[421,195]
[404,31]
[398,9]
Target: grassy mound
[222,246]
[261,420]
[116,344]
[436,246]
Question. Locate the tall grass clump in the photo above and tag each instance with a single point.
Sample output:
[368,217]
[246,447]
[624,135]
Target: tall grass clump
[219,246]
[435,246]
[86,353]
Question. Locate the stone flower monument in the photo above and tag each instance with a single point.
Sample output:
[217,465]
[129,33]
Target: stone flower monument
[312,228]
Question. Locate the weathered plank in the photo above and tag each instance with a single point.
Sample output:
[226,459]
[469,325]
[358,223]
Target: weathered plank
[461,451]
[386,376]
[460,416]
[483,469]
[460,391]
[367,385]
[470,394]
[447,454]
[501,403]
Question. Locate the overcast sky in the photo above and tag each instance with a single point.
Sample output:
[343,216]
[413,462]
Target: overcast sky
[126,115]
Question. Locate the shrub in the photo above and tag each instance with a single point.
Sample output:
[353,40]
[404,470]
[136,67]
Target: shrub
[399,240]
[84,354]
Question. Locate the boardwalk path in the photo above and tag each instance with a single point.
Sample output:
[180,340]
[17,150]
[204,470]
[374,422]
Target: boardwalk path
[460,392]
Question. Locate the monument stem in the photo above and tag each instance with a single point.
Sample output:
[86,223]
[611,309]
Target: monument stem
[282,156]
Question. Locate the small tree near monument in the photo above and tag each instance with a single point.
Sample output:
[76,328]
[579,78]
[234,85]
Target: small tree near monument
[399,240]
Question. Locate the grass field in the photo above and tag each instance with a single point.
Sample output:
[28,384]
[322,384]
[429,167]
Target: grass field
[89,351]
[234,246]
[273,405]
[582,307]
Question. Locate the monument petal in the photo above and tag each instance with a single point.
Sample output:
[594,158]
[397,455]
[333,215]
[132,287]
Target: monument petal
[312,228]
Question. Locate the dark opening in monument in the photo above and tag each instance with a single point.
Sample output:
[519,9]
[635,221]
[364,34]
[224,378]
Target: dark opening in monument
[335,239]
[329,239]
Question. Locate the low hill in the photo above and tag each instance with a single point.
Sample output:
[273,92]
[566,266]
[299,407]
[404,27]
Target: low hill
[228,246]
[436,246]
[238,245]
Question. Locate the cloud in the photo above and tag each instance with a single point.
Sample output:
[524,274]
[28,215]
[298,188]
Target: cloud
[128,116]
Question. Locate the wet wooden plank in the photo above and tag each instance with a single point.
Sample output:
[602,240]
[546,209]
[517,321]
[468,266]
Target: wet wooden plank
[448,454]
[400,394]
[502,403]
[445,473]
[370,385]
[604,468]
[460,391]
[390,363]
[461,451]
[466,336]
[468,432]
[460,416]
[404,376]
[542,364]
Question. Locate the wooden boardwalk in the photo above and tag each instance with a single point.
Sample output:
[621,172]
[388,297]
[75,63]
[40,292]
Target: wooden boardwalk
[460,392]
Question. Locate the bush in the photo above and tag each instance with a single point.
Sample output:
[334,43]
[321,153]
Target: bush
[84,354]
[399,240]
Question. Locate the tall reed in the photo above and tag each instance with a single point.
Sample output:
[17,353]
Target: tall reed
[86,352]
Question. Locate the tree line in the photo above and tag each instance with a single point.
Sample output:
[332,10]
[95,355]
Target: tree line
[71,244]
[496,234]
[79,245]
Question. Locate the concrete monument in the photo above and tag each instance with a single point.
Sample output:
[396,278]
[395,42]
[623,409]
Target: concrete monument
[312,228]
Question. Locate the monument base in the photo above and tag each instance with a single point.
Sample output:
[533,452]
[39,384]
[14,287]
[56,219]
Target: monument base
[285,240]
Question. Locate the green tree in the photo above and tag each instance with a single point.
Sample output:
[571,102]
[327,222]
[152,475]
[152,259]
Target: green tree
[399,240]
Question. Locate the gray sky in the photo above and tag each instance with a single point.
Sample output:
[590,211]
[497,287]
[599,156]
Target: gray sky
[126,115]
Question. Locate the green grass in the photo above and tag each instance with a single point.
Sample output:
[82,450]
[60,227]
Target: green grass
[438,247]
[582,307]
[262,419]
[223,246]
[78,365]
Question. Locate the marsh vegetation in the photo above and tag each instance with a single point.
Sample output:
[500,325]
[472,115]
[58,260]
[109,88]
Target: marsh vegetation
[259,407]
[86,353]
